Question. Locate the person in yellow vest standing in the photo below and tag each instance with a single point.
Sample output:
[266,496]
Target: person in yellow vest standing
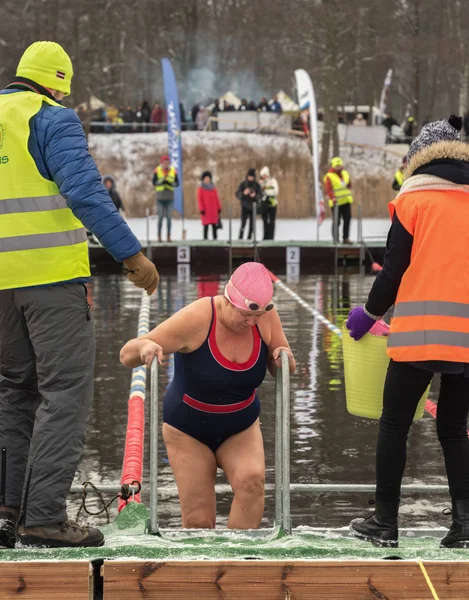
[165,179]
[50,193]
[338,189]
[399,175]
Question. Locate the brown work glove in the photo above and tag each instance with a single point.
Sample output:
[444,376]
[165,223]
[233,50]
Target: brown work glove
[142,272]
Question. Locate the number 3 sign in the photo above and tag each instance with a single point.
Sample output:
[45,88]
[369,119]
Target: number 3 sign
[184,254]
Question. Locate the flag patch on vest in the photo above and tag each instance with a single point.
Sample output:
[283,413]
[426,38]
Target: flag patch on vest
[60,74]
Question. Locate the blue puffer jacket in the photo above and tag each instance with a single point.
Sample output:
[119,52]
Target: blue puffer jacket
[60,150]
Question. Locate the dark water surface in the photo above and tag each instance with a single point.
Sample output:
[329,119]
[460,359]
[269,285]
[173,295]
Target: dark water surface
[328,445]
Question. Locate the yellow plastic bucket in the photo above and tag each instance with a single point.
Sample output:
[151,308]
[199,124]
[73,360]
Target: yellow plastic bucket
[365,367]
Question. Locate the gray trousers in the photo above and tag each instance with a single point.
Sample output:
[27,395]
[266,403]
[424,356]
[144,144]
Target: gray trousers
[47,352]
[165,209]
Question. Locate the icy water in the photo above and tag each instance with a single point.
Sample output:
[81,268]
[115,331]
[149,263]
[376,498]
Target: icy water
[327,444]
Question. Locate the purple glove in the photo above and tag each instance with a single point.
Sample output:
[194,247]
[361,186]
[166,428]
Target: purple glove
[359,323]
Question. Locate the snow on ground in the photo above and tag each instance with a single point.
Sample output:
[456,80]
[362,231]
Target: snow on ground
[286,229]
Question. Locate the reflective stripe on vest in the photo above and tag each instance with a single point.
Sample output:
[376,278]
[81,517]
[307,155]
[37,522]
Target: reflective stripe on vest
[431,307]
[428,310]
[342,193]
[41,241]
[22,205]
[429,337]
[170,178]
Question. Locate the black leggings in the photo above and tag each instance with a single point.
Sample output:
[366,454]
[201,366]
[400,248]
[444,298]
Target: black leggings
[246,216]
[405,385]
[214,227]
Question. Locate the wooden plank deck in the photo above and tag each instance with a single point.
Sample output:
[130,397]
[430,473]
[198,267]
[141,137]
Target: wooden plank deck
[282,580]
[46,580]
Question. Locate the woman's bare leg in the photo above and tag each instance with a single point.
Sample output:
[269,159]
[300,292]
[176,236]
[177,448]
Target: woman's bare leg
[195,468]
[242,459]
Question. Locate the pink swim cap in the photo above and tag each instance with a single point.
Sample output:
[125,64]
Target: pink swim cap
[251,281]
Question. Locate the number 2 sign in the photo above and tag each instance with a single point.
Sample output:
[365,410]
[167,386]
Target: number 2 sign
[293,255]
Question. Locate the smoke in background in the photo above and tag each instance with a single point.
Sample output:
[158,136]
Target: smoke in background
[206,83]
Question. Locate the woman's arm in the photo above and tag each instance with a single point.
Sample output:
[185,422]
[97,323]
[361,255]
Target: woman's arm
[278,342]
[182,332]
[200,200]
[396,262]
[218,200]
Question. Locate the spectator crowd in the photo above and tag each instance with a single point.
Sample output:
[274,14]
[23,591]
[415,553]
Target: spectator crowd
[143,118]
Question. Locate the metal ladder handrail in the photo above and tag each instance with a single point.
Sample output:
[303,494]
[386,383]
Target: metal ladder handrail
[282,519]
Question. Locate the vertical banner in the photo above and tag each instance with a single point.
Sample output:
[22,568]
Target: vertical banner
[174,130]
[306,98]
[384,94]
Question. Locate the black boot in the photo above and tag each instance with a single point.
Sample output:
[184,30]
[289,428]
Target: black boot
[458,534]
[8,520]
[380,528]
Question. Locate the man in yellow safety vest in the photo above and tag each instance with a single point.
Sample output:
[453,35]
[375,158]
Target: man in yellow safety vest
[50,193]
[399,175]
[338,189]
[165,179]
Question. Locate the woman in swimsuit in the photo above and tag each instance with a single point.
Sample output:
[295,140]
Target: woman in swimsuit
[223,346]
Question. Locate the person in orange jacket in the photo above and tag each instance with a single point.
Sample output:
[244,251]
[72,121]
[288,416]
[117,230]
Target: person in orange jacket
[424,276]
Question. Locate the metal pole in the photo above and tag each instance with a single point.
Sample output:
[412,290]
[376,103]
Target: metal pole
[360,224]
[153,525]
[364,487]
[335,234]
[360,240]
[300,488]
[278,450]
[230,238]
[254,236]
[104,489]
[286,443]
[148,232]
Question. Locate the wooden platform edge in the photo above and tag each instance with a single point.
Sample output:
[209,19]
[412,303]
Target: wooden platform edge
[272,580]
[46,580]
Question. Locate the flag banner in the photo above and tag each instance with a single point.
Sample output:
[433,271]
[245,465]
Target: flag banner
[307,99]
[174,130]
[384,93]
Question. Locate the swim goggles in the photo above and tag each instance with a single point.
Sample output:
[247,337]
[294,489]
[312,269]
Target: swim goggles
[250,304]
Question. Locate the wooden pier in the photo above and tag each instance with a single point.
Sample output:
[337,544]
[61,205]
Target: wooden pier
[214,257]
[234,580]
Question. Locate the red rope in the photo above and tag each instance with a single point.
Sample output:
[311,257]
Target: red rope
[132,468]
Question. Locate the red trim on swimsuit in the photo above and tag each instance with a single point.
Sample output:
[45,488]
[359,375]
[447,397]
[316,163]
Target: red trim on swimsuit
[218,408]
[224,362]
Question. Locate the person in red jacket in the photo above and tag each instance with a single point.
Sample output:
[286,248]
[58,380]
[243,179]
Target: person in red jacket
[209,204]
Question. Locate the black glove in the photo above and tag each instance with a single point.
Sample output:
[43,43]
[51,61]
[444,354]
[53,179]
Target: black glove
[202,212]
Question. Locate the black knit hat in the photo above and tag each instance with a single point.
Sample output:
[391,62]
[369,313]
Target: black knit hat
[446,130]
[251,173]
[206,174]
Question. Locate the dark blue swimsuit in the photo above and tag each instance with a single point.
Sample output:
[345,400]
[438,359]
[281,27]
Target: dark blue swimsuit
[211,398]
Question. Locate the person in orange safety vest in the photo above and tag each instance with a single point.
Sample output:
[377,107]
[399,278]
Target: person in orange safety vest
[425,277]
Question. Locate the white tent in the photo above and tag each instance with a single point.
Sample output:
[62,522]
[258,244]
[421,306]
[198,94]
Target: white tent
[231,98]
[94,104]
[287,104]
